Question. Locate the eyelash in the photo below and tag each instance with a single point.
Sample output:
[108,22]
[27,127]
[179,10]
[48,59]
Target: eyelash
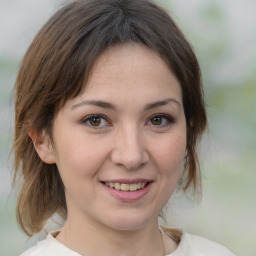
[168,121]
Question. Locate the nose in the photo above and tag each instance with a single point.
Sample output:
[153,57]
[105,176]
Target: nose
[129,149]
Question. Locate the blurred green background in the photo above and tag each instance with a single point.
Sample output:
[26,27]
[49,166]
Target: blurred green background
[223,34]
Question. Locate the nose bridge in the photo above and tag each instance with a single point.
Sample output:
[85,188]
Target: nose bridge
[129,149]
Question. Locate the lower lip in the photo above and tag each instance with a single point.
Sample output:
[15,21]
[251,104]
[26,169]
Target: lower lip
[128,196]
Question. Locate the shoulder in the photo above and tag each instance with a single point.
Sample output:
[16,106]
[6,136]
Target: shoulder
[37,250]
[192,245]
[203,246]
[49,247]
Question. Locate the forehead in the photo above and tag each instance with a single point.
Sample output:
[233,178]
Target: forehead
[130,57]
[130,71]
[130,64]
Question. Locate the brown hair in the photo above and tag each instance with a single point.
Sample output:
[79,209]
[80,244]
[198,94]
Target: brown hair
[55,69]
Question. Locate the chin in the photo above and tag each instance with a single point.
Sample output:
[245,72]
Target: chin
[130,222]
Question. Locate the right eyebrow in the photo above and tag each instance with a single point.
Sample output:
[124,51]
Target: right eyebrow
[98,103]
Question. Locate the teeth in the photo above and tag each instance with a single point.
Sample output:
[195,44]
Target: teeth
[133,187]
[126,187]
[117,186]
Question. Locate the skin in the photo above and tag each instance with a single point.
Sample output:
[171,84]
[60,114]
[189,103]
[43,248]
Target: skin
[140,134]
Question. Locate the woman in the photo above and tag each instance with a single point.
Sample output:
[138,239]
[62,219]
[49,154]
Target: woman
[109,111]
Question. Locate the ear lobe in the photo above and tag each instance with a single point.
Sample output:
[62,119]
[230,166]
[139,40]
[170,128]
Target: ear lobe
[43,146]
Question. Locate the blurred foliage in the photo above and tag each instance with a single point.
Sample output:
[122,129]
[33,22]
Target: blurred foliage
[8,69]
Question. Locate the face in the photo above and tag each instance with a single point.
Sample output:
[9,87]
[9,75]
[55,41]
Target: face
[120,144]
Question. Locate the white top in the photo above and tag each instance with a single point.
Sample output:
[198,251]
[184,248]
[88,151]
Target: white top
[190,245]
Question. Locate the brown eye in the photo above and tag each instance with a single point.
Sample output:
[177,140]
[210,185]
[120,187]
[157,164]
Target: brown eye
[161,120]
[95,121]
[157,120]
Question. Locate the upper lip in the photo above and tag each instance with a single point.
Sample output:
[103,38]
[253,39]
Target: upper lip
[127,181]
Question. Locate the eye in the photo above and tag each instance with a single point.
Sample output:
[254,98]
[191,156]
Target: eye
[161,120]
[95,121]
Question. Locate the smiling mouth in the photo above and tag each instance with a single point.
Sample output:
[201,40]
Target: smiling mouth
[126,187]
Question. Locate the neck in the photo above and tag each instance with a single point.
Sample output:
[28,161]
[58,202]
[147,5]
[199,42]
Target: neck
[94,239]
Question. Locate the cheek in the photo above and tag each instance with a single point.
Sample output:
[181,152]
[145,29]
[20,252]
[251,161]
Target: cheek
[77,157]
[169,155]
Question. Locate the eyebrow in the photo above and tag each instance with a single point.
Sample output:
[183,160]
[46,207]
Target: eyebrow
[161,103]
[108,105]
[97,103]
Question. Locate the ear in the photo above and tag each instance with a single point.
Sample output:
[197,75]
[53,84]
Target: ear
[43,146]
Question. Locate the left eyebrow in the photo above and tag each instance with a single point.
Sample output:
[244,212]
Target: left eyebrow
[161,103]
